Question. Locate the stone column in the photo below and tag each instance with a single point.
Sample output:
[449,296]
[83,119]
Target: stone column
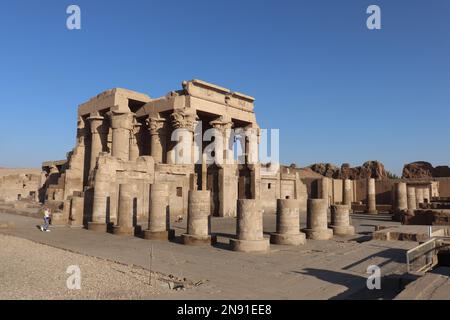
[76,212]
[228,190]
[158,137]
[224,124]
[340,220]
[255,175]
[419,196]
[134,134]
[100,206]
[325,190]
[411,198]
[288,223]
[371,197]
[401,198]
[347,192]
[183,121]
[204,172]
[121,124]
[251,145]
[97,129]
[125,211]
[159,216]
[249,227]
[198,220]
[317,220]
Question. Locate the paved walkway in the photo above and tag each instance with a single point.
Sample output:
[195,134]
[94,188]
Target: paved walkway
[317,270]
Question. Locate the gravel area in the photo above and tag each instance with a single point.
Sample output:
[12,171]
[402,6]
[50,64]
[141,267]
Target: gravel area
[29,270]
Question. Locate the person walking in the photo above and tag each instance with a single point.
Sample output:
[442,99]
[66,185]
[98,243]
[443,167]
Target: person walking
[47,214]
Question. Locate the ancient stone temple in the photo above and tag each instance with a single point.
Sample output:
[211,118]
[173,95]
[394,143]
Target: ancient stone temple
[126,138]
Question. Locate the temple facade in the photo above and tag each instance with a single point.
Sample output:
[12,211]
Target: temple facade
[126,137]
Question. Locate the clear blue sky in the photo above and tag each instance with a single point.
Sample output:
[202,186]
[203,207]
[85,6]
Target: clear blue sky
[338,91]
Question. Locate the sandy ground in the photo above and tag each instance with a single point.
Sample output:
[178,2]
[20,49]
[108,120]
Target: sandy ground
[334,269]
[34,271]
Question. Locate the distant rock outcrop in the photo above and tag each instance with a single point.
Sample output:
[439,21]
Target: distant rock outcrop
[423,169]
[369,169]
[325,169]
[372,169]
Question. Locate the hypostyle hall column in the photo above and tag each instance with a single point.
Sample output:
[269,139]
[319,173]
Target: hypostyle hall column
[252,137]
[125,211]
[223,125]
[97,129]
[159,215]
[249,227]
[371,197]
[317,220]
[134,135]
[401,197]
[183,123]
[288,223]
[348,193]
[100,206]
[198,224]
[156,126]
[121,124]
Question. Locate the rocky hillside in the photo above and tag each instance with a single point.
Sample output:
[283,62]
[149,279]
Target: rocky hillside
[373,169]
[423,169]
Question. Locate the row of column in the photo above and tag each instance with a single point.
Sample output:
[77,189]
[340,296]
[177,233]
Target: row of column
[410,197]
[347,194]
[125,130]
[249,225]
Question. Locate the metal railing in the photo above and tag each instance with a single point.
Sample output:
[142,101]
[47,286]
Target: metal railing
[424,257]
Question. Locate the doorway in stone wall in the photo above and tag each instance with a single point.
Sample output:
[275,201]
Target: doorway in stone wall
[213,187]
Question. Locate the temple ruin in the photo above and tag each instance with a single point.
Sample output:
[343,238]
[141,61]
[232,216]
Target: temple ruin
[125,137]
[126,173]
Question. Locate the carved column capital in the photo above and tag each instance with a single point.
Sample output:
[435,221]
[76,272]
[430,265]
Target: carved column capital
[184,119]
[155,125]
[136,127]
[221,124]
[96,123]
[121,120]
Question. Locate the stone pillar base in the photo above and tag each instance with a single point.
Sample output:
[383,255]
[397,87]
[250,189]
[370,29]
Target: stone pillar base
[288,239]
[372,212]
[343,230]
[124,231]
[262,245]
[97,226]
[159,235]
[324,234]
[193,240]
